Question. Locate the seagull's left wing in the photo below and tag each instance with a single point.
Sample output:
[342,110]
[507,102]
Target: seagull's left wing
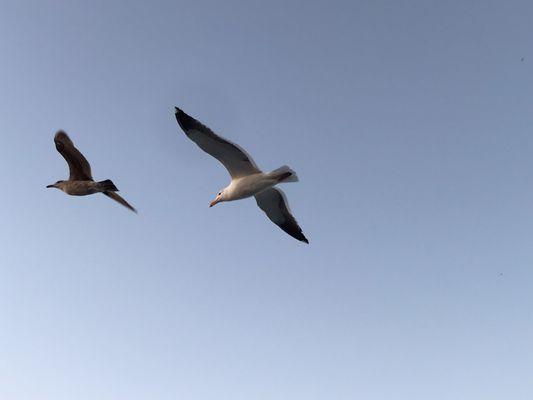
[273,202]
[236,160]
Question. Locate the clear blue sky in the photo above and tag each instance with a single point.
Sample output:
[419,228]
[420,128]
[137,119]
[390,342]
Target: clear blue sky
[410,126]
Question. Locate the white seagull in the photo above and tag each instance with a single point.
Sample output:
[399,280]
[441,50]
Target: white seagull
[246,178]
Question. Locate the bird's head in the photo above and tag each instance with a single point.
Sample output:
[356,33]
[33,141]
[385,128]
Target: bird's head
[221,196]
[56,185]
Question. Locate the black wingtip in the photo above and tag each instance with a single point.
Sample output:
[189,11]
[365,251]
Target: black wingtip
[185,121]
[294,230]
[301,237]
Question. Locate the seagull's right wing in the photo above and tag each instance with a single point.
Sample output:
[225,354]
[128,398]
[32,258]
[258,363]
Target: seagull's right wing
[236,160]
[79,167]
[119,199]
[273,202]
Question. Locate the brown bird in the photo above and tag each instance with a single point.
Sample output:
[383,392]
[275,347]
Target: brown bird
[80,181]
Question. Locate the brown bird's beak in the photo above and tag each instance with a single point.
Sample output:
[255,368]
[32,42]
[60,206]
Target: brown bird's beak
[213,203]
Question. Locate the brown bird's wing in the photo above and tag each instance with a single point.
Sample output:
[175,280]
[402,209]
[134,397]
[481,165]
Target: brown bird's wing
[235,159]
[79,167]
[273,202]
[119,199]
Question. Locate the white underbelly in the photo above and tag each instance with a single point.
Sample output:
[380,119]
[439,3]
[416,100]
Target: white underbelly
[249,186]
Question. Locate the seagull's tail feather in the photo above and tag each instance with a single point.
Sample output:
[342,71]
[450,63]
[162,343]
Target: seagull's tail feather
[117,198]
[107,186]
[284,174]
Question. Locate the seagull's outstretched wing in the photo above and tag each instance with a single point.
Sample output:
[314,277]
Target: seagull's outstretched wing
[119,199]
[274,204]
[80,170]
[236,160]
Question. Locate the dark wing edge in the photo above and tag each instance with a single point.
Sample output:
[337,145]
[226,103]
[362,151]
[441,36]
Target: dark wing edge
[274,203]
[79,167]
[188,124]
[119,199]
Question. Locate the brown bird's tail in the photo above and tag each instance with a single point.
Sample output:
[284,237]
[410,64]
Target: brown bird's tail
[117,198]
[107,186]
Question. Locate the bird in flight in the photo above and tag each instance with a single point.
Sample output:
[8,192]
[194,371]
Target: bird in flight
[80,181]
[246,178]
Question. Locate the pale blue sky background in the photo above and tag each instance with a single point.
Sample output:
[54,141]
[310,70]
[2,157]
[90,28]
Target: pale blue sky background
[410,126]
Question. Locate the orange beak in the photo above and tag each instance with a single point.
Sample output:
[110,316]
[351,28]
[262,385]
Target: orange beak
[213,203]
